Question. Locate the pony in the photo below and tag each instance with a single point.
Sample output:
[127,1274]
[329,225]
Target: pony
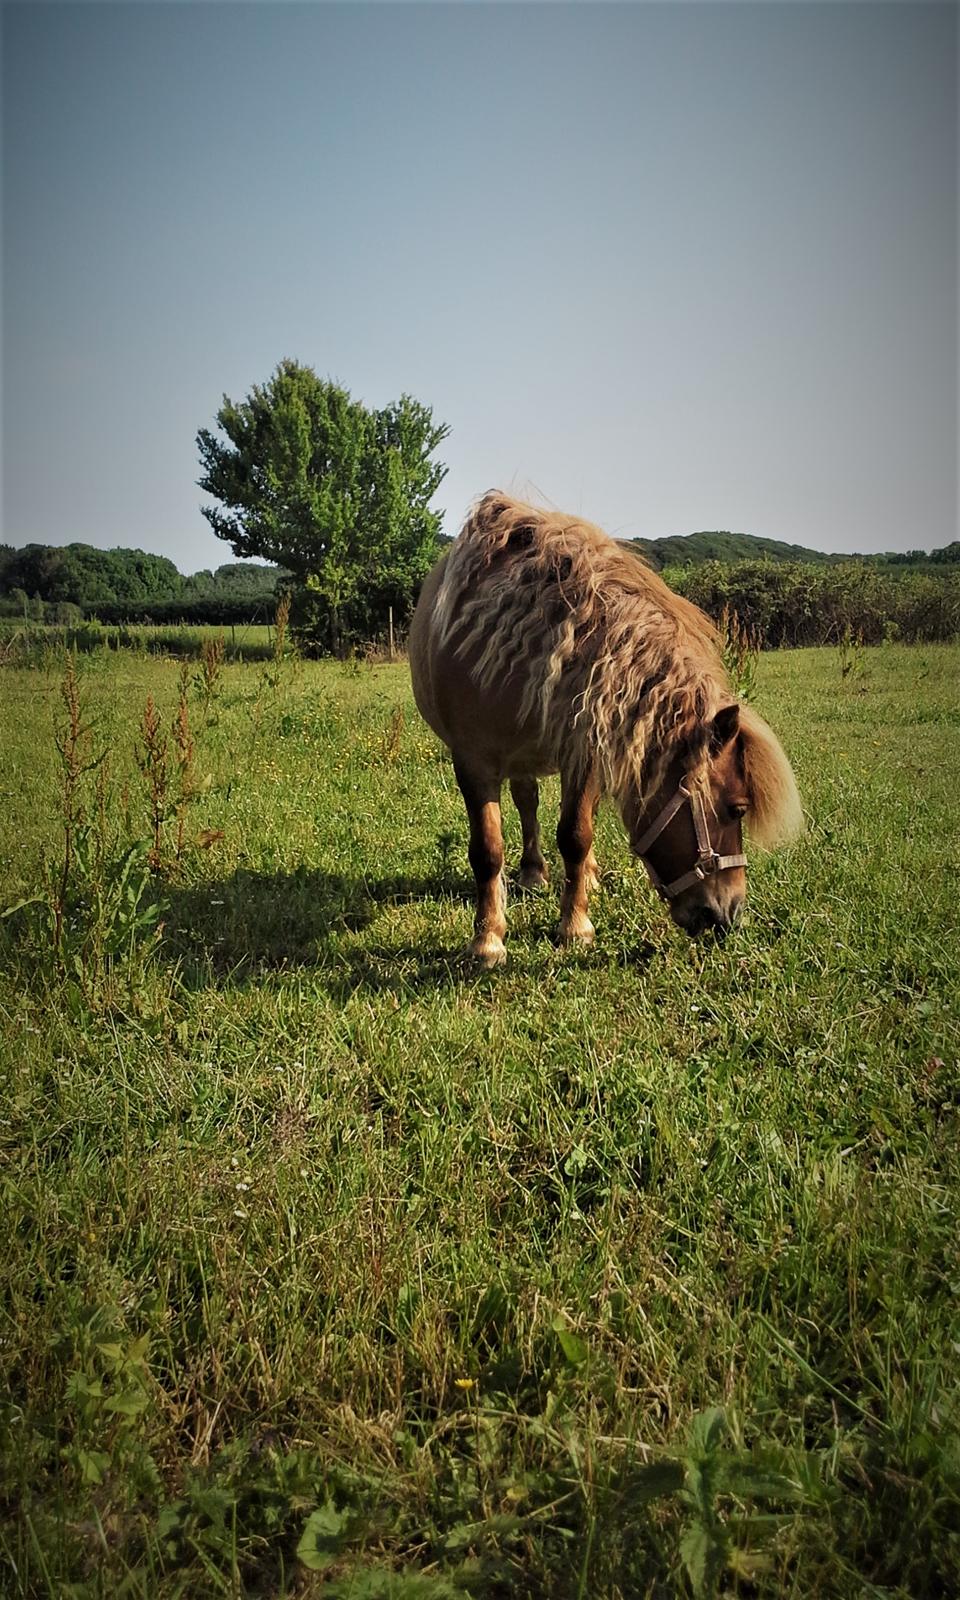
[540,645]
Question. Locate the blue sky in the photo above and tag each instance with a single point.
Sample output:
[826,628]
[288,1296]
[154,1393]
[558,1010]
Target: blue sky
[672,266]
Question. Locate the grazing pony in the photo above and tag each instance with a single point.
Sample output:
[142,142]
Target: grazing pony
[540,645]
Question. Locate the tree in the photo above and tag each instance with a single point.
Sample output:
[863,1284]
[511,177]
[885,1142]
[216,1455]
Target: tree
[948,554]
[338,494]
[83,575]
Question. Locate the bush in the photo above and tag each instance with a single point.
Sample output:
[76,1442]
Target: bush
[793,603]
[365,623]
[215,611]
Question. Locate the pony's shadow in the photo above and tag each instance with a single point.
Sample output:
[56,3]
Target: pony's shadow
[252,925]
[397,970]
[256,922]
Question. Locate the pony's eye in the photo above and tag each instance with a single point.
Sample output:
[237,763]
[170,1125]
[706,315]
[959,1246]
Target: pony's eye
[739,809]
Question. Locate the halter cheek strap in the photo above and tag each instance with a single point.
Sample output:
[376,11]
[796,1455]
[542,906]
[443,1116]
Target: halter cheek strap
[708,862]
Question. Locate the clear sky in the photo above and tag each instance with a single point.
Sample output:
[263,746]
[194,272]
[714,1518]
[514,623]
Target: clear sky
[673,266]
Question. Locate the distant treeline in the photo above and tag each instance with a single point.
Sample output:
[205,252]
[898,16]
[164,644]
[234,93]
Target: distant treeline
[816,600]
[692,549]
[803,603]
[55,583]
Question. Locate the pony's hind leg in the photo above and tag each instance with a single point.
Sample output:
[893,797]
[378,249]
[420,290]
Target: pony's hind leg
[533,868]
[575,843]
[481,794]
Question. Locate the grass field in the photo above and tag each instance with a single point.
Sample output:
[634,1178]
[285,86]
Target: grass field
[331,1267]
[44,642]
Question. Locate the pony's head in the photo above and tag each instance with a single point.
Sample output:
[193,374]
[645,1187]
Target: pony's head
[690,833]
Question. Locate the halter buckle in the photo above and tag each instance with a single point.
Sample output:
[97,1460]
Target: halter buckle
[708,862]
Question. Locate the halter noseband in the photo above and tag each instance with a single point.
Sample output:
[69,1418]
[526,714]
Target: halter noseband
[708,862]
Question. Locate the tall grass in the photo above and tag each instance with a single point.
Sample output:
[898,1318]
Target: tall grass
[46,645]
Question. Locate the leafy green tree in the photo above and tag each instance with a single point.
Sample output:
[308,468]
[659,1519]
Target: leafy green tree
[338,494]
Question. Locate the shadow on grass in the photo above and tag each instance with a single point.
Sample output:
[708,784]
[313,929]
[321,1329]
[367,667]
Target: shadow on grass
[395,969]
[254,922]
[251,924]
[403,969]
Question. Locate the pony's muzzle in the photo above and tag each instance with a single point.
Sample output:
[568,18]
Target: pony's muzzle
[707,918]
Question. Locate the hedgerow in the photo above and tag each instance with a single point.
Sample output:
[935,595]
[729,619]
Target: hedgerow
[795,603]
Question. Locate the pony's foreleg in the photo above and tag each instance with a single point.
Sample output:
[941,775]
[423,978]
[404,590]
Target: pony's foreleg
[575,843]
[482,798]
[533,868]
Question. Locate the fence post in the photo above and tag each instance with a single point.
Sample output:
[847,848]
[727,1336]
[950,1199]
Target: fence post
[390,629]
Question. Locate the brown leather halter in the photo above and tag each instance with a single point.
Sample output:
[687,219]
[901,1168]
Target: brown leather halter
[708,862]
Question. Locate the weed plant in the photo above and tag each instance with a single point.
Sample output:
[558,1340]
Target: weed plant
[740,645]
[332,1267]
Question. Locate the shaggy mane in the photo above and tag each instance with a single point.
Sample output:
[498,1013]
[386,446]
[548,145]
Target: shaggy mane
[615,667]
[775,814]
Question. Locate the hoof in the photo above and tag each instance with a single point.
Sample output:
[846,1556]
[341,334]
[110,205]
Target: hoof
[582,932]
[533,877]
[488,952]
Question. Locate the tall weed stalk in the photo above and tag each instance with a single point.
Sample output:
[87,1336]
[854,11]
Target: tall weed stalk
[850,652]
[209,678]
[75,748]
[152,761]
[94,910]
[170,778]
[184,746]
[740,645]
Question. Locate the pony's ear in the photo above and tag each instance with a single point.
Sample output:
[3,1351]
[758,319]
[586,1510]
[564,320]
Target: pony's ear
[725,726]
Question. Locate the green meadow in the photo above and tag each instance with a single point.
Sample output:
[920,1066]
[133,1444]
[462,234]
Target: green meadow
[42,644]
[330,1267]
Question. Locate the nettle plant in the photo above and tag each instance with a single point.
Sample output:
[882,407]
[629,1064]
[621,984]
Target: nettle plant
[740,646]
[98,911]
[208,680]
[107,1396]
[93,910]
